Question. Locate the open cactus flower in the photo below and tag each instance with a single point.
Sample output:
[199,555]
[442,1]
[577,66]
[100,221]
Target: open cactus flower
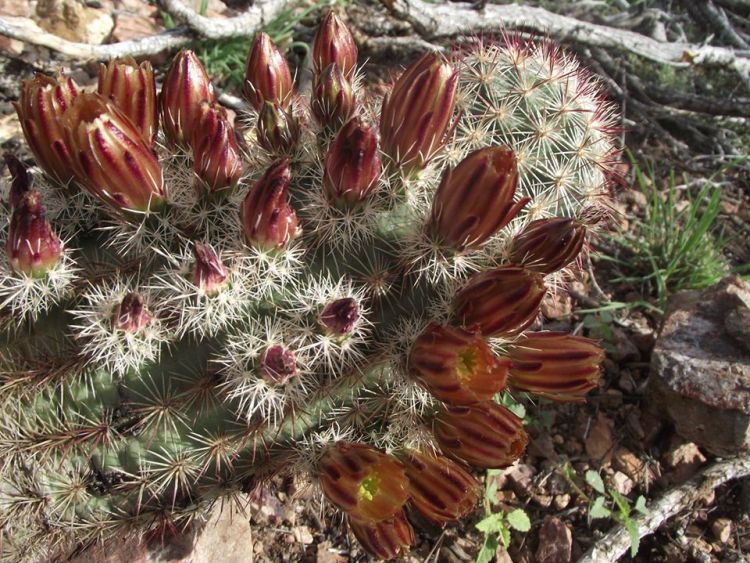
[332,285]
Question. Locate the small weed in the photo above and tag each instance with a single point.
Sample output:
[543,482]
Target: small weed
[497,525]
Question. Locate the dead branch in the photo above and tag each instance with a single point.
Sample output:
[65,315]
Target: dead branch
[246,24]
[613,545]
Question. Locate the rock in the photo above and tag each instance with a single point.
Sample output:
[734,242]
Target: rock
[135,19]
[721,528]
[599,440]
[684,460]
[303,535]
[624,348]
[700,375]
[561,502]
[555,542]
[16,8]
[520,477]
[622,483]
[74,21]
[626,461]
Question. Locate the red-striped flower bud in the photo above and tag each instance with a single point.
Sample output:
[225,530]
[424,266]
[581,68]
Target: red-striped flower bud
[209,274]
[41,105]
[267,76]
[368,485]
[352,166]
[500,302]
[186,85]
[339,317]
[278,364]
[334,44]
[267,219]
[548,245]
[332,98]
[555,365]
[418,111]
[387,539]
[20,182]
[110,157]
[441,489]
[132,88]
[216,156]
[131,315]
[32,248]
[475,199]
[278,129]
[484,434]
[457,366]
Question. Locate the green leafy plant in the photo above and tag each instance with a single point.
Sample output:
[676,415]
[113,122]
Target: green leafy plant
[498,525]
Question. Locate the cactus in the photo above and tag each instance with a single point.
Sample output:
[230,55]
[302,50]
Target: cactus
[188,313]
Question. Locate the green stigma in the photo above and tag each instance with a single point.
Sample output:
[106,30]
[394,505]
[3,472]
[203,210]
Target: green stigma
[466,363]
[368,488]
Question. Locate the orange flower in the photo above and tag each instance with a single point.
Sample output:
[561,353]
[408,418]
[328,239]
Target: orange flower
[500,302]
[555,365]
[441,489]
[386,539]
[40,109]
[368,485]
[548,245]
[457,366]
[483,434]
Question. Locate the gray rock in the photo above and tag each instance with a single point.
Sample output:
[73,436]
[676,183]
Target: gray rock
[700,366]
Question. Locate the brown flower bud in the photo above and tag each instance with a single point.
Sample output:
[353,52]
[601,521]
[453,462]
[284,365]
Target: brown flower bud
[42,103]
[209,274]
[500,302]
[555,365]
[32,248]
[548,245]
[334,44]
[267,218]
[332,98]
[457,366]
[475,199]
[132,88]
[267,76]
[352,166]
[387,539]
[368,485]
[417,113]
[20,179]
[278,364]
[339,317]
[216,156]
[131,315]
[441,489]
[484,434]
[185,86]
[278,129]
[110,157]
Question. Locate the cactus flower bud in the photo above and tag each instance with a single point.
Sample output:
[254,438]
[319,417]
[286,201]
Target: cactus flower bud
[267,76]
[441,489]
[334,44]
[417,113]
[132,88]
[32,248]
[475,199]
[339,317]
[209,274]
[500,302]
[216,156]
[267,218]
[457,366]
[20,182]
[111,158]
[484,434]
[278,129]
[548,245]
[185,86]
[352,166]
[387,539]
[332,98]
[131,315]
[555,365]
[41,105]
[278,364]
[368,485]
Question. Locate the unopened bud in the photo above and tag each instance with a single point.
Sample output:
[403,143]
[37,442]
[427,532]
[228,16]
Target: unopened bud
[548,245]
[340,317]
[32,248]
[210,275]
[332,98]
[131,315]
[267,76]
[352,165]
[278,129]
[216,156]
[334,44]
[278,364]
[20,179]
[387,539]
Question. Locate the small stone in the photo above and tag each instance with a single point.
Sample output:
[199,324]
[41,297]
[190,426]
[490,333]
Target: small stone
[684,460]
[622,483]
[520,478]
[543,446]
[302,534]
[721,528]
[545,501]
[624,349]
[599,440]
[561,502]
[502,555]
[626,461]
[555,542]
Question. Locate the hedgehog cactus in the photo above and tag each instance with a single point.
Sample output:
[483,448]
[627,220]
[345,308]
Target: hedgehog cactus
[185,319]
